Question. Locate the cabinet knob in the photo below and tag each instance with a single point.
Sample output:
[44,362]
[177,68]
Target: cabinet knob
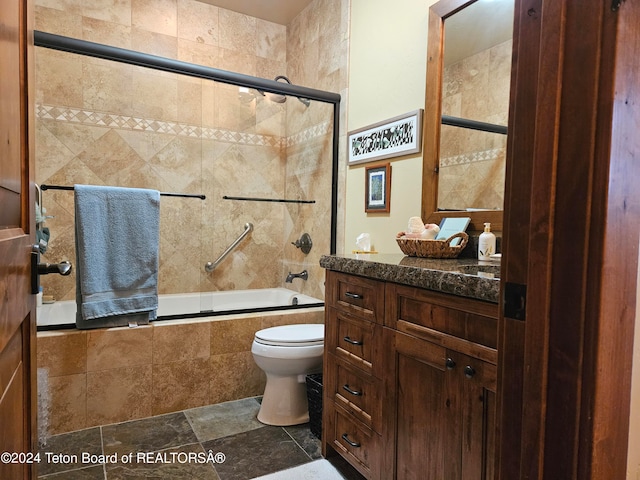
[469,371]
[450,364]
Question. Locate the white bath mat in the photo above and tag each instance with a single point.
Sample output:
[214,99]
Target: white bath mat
[316,470]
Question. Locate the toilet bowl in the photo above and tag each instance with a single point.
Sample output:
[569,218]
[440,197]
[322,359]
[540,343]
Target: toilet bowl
[287,354]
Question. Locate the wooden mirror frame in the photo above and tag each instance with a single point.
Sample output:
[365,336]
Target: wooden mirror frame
[432,119]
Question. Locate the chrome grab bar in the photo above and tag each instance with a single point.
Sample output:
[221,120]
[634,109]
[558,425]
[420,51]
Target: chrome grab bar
[210,267]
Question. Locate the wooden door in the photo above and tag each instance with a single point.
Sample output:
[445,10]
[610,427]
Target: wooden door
[17,304]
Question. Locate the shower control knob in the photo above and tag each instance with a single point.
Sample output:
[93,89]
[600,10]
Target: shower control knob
[304,243]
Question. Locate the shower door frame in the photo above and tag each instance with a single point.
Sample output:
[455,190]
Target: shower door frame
[132,57]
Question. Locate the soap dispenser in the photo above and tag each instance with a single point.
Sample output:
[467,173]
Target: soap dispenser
[486,243]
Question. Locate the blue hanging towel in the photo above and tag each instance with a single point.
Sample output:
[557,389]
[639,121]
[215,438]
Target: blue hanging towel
[117,250]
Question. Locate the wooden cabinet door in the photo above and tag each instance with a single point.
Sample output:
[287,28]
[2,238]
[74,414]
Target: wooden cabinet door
[17,305]
[441,407]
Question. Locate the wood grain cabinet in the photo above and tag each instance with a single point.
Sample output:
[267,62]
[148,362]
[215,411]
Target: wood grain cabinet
[417,399]
[352,419]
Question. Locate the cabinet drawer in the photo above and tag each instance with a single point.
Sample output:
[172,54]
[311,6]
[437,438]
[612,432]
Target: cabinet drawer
[356,295]
[467,319]
[358,393]
[356,443]
[353,339]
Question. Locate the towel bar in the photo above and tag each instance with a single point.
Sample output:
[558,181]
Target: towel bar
[162,194]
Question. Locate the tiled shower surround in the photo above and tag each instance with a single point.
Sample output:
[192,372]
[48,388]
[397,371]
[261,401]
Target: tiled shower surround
[100,122]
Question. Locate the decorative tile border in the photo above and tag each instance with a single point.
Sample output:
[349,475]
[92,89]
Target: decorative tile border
[109,120]
[473,157]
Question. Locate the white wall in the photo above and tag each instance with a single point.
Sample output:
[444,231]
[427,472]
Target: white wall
[387,71]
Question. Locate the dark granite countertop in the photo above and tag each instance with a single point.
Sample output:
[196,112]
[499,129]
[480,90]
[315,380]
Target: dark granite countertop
[464,277]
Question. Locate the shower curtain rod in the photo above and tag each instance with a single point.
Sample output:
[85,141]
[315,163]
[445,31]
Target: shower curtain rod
[163,194]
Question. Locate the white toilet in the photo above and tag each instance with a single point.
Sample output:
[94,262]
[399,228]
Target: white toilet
[287,354]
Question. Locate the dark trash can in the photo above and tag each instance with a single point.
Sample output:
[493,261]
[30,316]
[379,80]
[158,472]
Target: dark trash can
[314,397]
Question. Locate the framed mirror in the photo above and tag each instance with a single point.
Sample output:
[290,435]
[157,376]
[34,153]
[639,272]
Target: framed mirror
[469,54]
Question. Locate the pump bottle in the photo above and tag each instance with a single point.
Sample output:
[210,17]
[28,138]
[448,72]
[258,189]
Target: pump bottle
[486,243]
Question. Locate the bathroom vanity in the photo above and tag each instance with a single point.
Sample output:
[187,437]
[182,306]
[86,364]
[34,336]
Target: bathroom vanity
[410,365]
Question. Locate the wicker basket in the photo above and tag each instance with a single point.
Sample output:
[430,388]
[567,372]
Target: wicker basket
[416,247]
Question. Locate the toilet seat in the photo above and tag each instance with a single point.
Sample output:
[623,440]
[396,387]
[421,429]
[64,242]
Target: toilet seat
[292,335]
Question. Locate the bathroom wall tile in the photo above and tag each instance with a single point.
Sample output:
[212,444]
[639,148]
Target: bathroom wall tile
[70,6]
[55,153]
[67,402]
[58,79]
[119,394]
[159,16]
[154,43]
[236,376]
[190,100]
[119,347]
[237,31]
[271,40]
[110,158]
[62,353]
[180,385]
[106,86]
[115,11]
[303,316]
[58,21]
[199,53]
[108,33]
[198,22]
[181,342]
[232,336]
[155,96]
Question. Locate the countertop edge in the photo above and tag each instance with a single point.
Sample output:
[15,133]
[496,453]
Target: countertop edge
[436,275]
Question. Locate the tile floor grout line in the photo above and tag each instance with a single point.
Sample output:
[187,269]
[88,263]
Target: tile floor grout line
[296,442]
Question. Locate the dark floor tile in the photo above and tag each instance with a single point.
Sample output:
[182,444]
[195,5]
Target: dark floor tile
[70,451]
[148,435]
[307,441]
[95,472]
[170,464]
[256,453]
[224,419]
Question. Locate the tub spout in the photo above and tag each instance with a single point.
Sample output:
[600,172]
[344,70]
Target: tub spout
[304,275]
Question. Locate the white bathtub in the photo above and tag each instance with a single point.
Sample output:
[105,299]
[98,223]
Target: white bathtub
[193,304]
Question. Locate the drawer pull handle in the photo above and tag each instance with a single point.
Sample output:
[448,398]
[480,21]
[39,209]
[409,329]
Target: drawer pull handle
[345,437]
[352,392]
[353,295]
[352,342]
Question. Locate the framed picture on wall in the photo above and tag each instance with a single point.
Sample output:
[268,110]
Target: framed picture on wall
[377,188]
[390,138]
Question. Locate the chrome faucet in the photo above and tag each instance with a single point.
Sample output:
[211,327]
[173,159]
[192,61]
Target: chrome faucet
[304,275]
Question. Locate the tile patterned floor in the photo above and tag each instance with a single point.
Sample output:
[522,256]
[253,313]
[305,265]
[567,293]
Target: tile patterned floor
[177,446]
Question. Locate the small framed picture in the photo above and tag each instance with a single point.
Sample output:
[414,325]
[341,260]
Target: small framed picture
[377,188]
